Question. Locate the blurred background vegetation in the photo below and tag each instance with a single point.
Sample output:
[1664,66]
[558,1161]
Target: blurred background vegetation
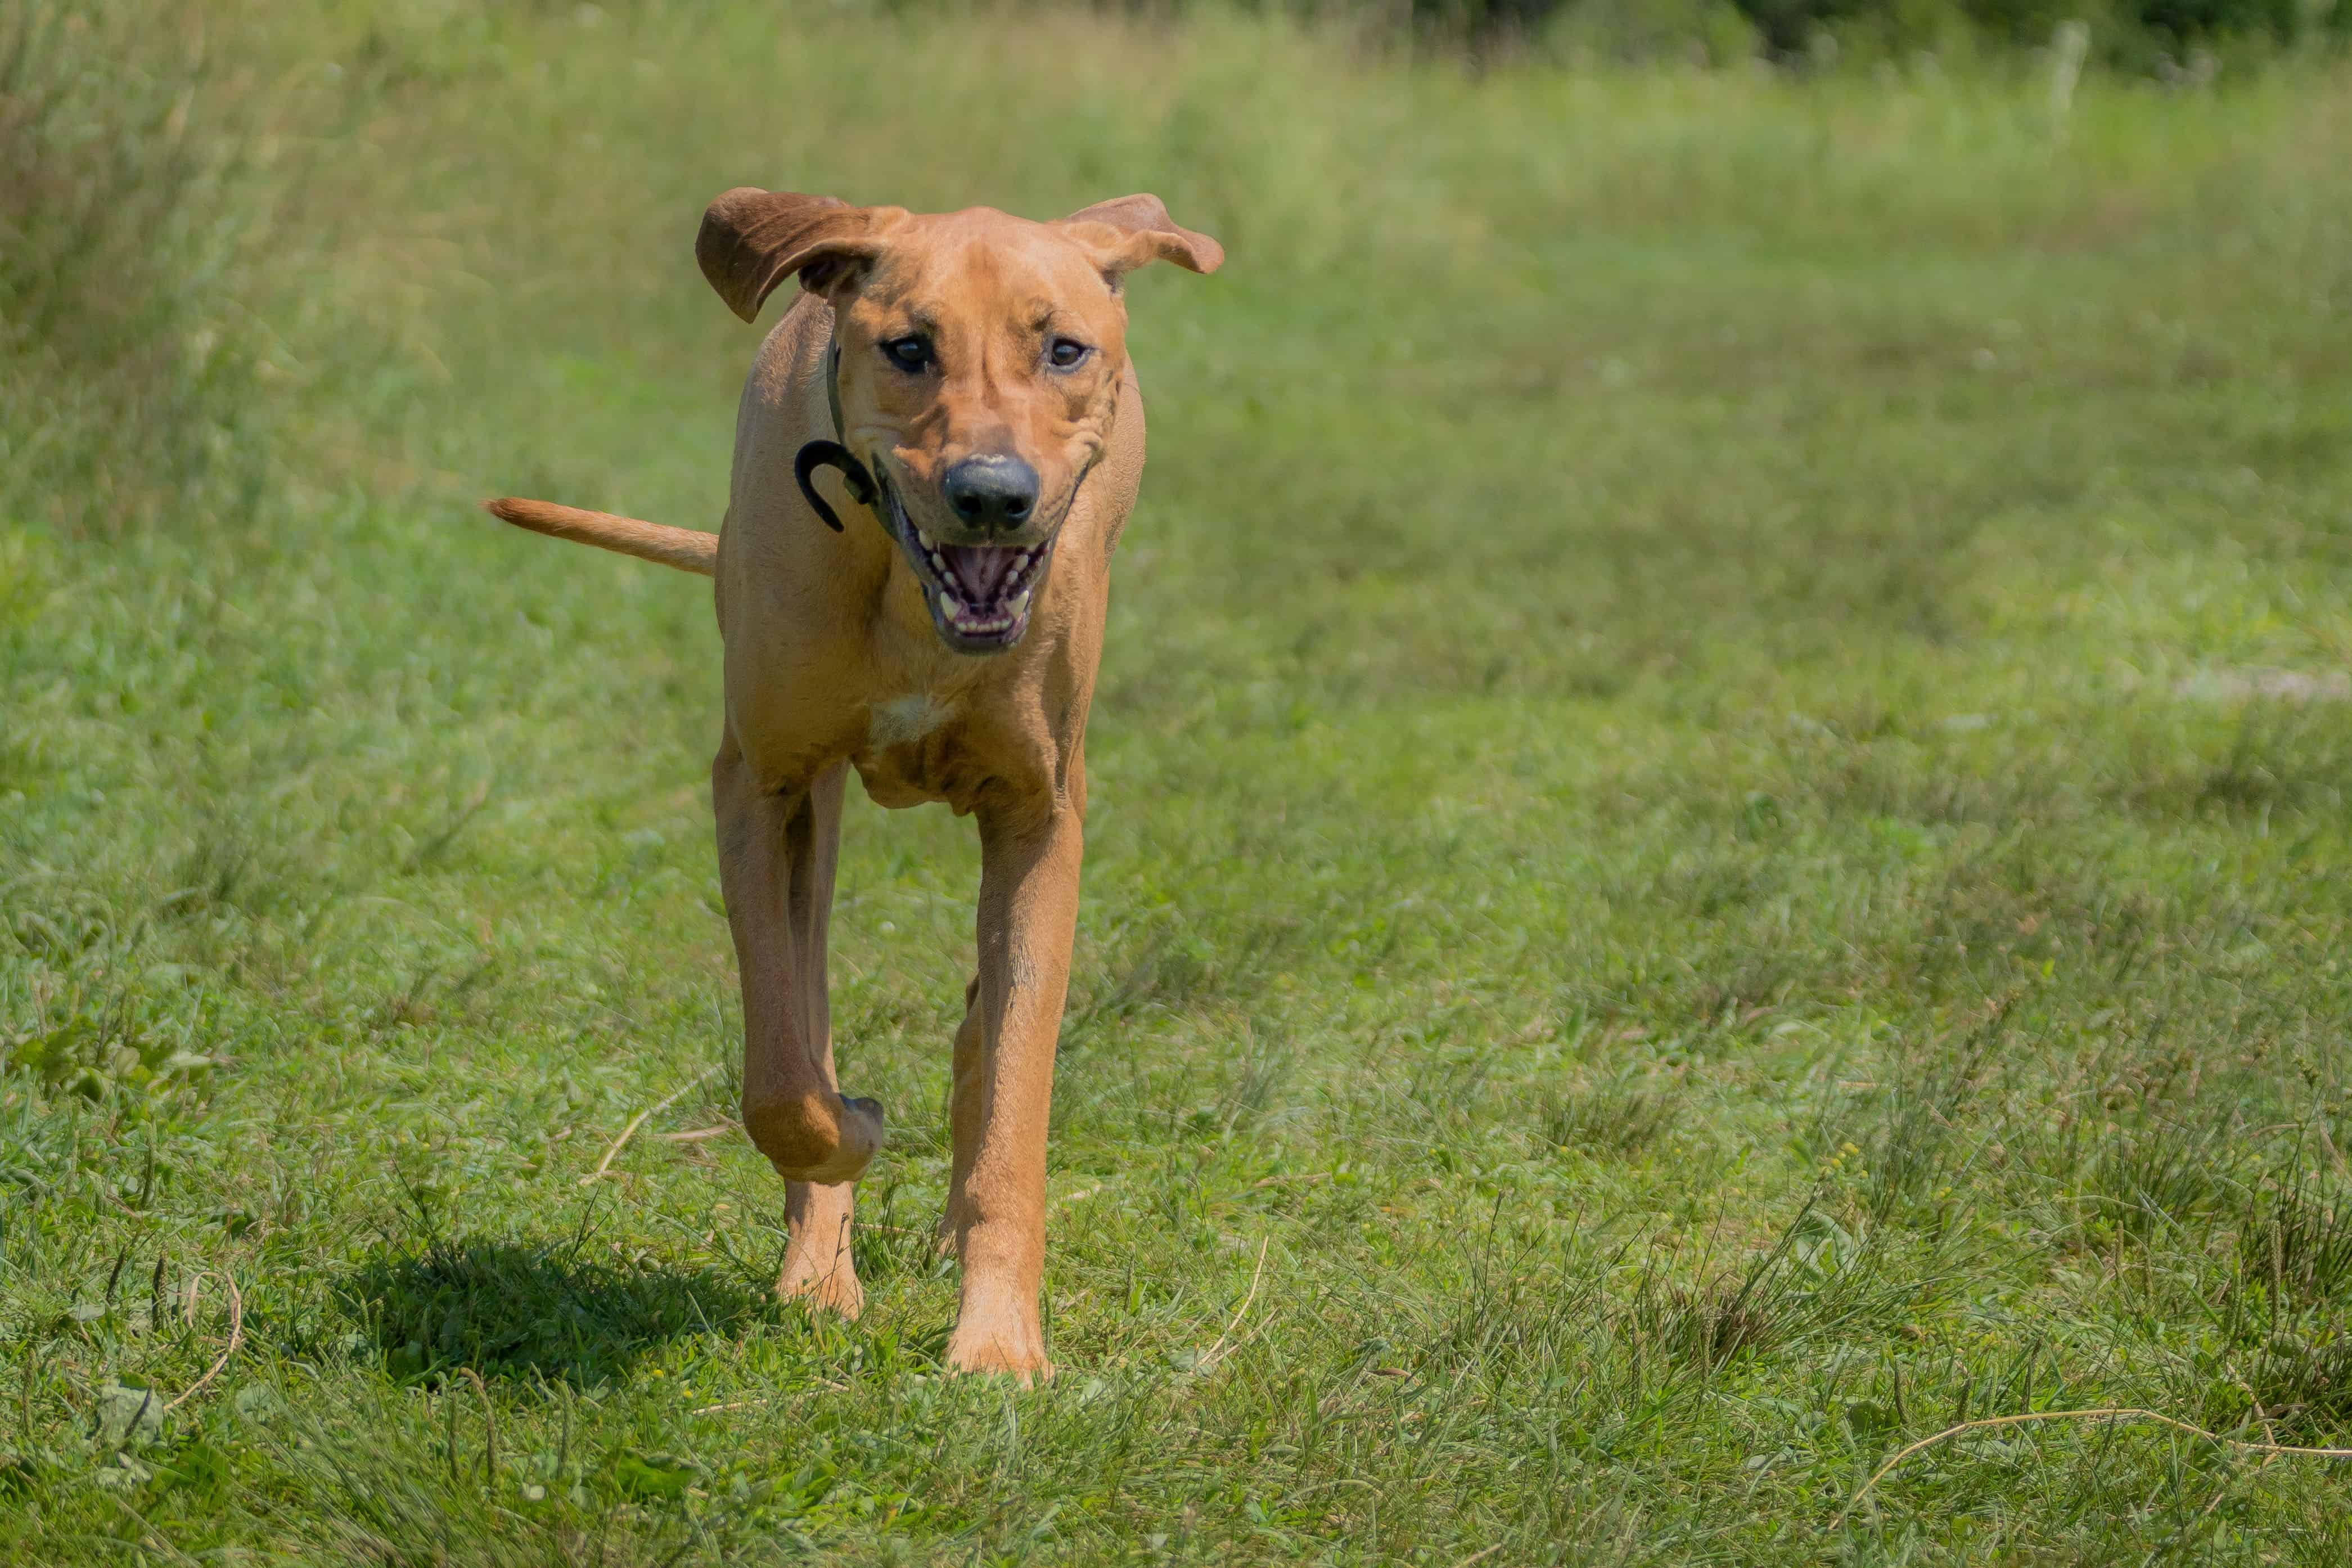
[126,342]
[129,223]
[139,180]
[2128,35]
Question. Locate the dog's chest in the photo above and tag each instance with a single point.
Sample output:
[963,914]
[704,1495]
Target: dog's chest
[902,721]
[916,751]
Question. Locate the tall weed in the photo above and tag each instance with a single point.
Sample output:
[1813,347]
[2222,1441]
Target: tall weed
[128,220]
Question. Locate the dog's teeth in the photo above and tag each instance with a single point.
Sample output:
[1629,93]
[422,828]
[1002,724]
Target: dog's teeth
[1020,606]
[947,605]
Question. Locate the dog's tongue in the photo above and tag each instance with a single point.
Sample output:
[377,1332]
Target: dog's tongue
[981,569]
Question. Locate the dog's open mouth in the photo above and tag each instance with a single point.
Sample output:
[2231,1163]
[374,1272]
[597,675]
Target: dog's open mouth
[978,594]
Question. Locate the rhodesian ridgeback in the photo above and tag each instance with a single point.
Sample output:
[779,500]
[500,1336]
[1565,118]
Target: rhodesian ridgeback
[935,452]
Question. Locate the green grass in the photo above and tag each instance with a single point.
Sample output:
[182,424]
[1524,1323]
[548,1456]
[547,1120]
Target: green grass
[1699,865]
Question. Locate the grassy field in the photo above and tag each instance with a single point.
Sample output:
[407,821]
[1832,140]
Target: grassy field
[1720,833]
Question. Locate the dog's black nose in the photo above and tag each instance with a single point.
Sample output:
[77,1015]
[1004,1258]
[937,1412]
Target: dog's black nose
[992,491]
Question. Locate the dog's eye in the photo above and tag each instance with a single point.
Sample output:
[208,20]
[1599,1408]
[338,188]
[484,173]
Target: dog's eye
[1065,353]
[911,354]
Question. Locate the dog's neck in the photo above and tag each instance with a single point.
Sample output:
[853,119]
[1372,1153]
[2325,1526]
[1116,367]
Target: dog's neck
[899,624]
[861,481]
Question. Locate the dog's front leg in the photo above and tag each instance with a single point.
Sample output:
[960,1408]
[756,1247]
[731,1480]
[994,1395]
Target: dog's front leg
[1028,916]
[776,855]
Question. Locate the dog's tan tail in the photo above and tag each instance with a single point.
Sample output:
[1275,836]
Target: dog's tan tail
[688,550]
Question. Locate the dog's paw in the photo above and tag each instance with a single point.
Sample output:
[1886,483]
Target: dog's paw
[836,1290]
[1012,1350]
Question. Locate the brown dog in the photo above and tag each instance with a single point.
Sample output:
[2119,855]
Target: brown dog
[935,622]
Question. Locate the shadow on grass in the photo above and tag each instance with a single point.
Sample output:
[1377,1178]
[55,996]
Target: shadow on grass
[536,1313]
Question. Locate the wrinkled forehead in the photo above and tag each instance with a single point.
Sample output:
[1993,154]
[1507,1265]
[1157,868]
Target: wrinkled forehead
[984,270]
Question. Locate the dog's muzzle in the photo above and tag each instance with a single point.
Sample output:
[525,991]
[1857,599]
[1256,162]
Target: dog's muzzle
[980,596]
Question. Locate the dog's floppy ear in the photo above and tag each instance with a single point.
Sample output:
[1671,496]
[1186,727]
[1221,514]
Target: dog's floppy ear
[1137,229]
[753,239]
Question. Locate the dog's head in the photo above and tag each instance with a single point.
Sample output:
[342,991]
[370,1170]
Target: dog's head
[981,361]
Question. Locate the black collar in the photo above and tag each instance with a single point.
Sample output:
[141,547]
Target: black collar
[854,475]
